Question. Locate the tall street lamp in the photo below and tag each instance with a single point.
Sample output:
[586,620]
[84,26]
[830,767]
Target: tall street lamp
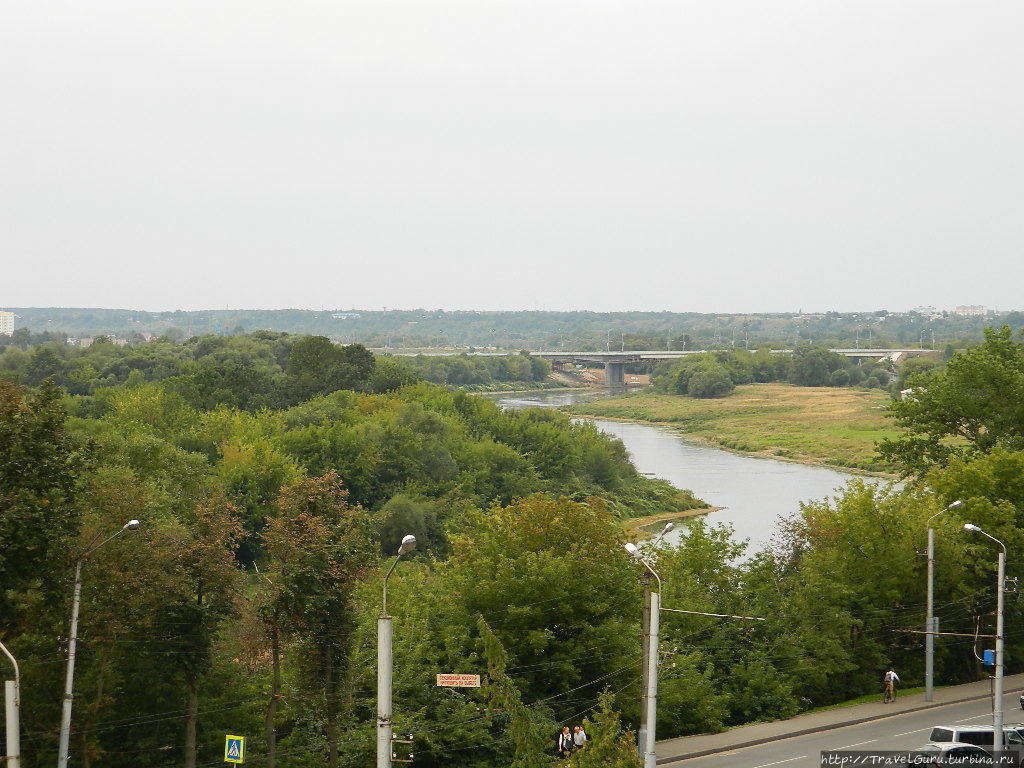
[650,759]
[931,624]
[997,704]
[69,677]
[641,735]
[384,665]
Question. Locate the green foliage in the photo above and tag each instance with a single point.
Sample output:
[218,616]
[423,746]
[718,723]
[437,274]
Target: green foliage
[812,366]
[520,576]
[609,744]
[712,381]
[40,468]
[839,378]
[525,730]
[321,548]
[557,572]
[479,372]
[715,374]
[973,405]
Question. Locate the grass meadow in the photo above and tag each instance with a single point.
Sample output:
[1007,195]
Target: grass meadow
[815,425]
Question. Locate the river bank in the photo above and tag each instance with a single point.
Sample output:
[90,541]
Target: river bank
[761,454]
[814,426]
[750,494]
[647,527]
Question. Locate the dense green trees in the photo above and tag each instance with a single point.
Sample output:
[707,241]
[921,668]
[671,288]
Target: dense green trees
[716,374]
[254,371]
[247,602]
[972,405]
[310,494]
[41,464]
[480,372]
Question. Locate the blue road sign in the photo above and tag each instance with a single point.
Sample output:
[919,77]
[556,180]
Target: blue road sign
[234,749]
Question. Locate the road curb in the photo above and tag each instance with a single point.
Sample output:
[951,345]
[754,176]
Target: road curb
[820,728]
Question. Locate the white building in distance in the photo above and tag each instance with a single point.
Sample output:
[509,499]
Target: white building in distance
[969,310]
[7,323]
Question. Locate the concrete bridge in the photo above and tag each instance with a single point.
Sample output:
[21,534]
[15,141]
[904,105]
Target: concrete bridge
[615,362]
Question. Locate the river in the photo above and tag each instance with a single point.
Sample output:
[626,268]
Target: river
[754,493]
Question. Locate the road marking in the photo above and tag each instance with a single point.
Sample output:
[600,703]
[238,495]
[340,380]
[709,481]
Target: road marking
[780,762]
[987,714]
[793,736]
[869,741]
[907,733]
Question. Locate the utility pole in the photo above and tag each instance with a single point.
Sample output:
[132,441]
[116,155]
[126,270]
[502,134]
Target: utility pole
[641,736]
[69,676]
[931,623]
[12,706]
[998,737]
[384,664]
[651,667]
[650,758]
[997,709]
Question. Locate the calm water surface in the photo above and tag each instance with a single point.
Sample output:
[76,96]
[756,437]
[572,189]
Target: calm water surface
[754,493]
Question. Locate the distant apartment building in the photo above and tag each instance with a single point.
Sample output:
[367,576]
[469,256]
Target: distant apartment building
[970,310]
[7,323]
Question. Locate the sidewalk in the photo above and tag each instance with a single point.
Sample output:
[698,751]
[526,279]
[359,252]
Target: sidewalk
[761,733]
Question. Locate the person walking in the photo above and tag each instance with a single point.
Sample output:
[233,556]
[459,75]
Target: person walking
[566,744]
[579,737]
[890,679]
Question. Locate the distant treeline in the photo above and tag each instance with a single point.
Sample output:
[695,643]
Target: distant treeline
[479,372]
[253,371]
[716,374]
[539,330]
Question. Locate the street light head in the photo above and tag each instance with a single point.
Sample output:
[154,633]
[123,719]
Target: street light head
[972,527]
[668,527]
[955,505]
[633,551]
[408,544]
[131,525]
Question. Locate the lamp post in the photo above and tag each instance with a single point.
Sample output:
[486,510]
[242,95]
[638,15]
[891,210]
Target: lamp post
[997,704]
[69,677]
[12,704]
[931,624]
[641,735]
[384,665]
[650,759]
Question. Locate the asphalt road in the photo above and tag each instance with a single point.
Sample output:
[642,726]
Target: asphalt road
[900,732]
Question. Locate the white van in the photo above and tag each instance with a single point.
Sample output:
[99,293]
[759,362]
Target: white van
[979,735]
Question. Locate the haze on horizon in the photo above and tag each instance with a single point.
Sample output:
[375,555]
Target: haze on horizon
[712,155]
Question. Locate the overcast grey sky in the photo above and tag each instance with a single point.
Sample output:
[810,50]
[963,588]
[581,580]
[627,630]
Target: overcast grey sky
[710,155]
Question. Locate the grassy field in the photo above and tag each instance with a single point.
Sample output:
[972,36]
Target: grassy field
[817,425]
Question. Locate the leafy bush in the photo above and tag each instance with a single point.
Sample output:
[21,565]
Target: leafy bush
[712,381]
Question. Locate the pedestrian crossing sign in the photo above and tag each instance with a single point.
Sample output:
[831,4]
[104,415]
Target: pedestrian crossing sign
[234,749]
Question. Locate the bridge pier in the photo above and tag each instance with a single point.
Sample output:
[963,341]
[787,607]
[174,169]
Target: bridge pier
[615,374]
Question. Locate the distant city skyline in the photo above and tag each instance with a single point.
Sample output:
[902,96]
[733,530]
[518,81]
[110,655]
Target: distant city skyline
[705,156]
